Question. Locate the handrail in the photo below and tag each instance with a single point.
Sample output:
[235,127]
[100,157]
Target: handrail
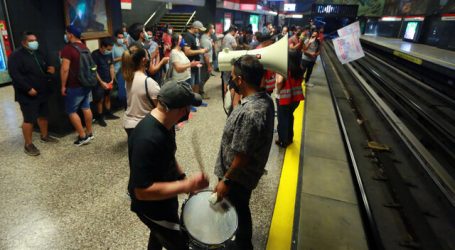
[191,17]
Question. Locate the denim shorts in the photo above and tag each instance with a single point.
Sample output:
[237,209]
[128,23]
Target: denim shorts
[77,98]
[195,77]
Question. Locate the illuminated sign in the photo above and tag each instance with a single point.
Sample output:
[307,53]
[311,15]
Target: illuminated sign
[289,7]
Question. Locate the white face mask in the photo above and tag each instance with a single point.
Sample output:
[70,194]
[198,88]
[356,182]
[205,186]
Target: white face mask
[169,31]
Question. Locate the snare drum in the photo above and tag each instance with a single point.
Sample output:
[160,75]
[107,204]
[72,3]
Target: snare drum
[208,226]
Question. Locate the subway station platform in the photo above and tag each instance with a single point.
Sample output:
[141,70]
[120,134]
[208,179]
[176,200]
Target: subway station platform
[75,197]
[430,54]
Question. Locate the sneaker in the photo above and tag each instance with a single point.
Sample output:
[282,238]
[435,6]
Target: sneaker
[309,85]
[90,136]
[193,109]
[31,150]
[204,104]
[49,139]
[101,122]
[110,116]
[82,141]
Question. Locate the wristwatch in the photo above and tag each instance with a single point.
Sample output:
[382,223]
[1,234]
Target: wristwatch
[226,181]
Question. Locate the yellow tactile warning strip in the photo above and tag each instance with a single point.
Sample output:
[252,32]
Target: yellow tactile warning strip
[280,234]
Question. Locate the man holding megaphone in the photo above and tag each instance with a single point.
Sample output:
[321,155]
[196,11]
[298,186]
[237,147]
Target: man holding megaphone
[245,144]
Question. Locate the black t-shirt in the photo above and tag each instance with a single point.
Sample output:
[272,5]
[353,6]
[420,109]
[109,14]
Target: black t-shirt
[193,42]
[151,152]
[103,63]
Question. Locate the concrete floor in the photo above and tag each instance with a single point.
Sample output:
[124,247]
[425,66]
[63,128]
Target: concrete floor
[75,197]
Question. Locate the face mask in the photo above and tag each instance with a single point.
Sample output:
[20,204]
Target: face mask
[65,37]
[169,31]
[125,34]
[182,43]
[234,86]
[120,41]
[185,117]
[147,37]
[33,45]
[107,52]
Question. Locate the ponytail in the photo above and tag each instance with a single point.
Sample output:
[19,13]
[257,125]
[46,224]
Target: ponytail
[127,67]
[131,62]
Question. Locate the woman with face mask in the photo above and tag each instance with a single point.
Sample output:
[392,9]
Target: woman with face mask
[142,91]
[180,65]
[311,50]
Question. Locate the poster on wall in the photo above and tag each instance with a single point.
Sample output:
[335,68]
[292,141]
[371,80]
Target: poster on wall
[348,48]
[126,4]
[92,17]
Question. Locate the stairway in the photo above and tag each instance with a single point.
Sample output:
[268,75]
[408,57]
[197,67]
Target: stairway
[177,20]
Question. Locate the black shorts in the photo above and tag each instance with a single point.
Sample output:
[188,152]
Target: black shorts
[34,110]
[99,93]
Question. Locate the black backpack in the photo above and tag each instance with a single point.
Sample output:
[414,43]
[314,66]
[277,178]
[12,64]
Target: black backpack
[87,68]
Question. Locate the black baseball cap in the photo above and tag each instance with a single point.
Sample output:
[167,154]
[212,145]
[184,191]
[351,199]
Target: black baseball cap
[178,95]
[74,30]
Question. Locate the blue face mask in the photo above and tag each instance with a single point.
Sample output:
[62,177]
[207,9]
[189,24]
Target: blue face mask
[120,41]
[125,34]
[33,45]
[182,43]
[107,52]
[65,37]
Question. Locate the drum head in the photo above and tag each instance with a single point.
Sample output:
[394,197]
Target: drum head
[207,223]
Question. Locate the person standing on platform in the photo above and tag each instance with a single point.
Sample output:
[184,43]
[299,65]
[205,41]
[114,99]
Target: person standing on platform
[245,144]
[289,95]
[76,96]
[117,52]
[193,51]
[31,76]
[167,43]
[156,178]
[142,90]
[207,59]
[311,51]
[105,76]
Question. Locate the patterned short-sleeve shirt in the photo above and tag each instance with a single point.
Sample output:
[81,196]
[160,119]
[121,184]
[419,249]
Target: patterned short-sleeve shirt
[248,130]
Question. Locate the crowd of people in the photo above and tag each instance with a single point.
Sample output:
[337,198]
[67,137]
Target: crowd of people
[159,80]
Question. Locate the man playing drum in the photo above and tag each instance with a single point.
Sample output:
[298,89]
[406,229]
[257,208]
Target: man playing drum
[155,176]
[245,144]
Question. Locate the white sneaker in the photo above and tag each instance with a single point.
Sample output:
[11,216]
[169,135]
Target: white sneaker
[309,85]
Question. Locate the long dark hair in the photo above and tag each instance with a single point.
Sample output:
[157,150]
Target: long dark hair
[294,67]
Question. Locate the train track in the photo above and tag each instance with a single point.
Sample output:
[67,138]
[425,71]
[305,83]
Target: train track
[399,134]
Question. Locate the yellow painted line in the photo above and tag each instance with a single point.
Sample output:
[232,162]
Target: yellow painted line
[280,234]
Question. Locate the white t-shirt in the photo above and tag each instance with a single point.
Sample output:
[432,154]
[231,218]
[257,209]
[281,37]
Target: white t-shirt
[179,57]
[138,105]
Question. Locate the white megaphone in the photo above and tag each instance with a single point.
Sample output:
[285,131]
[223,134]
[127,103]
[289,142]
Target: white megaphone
[273,57]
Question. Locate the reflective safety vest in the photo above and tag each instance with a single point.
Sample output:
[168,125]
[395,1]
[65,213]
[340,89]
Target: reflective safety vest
[291,91]
[269,81]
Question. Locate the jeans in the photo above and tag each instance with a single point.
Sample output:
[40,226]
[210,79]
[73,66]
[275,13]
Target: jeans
[77,98]
[308,67]
[285,125]
[240,199]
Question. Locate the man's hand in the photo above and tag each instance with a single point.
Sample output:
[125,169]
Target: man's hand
[104,85]
[51,70]
[203,51]
[63,90]
[194,63]
[222,190]
[165,60]
[32,92]
[196,183]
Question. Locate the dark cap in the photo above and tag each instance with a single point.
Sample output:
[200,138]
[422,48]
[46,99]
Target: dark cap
[178,95]
[74,30]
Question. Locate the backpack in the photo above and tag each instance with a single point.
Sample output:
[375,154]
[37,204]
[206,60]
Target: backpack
[87,68]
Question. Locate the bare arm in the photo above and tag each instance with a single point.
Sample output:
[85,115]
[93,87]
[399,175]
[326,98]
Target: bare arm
[279,81]
[112,72]
[166,190]
[180,67]
[189,52]
[64,71]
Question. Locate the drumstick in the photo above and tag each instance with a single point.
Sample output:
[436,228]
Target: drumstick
[197,152]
